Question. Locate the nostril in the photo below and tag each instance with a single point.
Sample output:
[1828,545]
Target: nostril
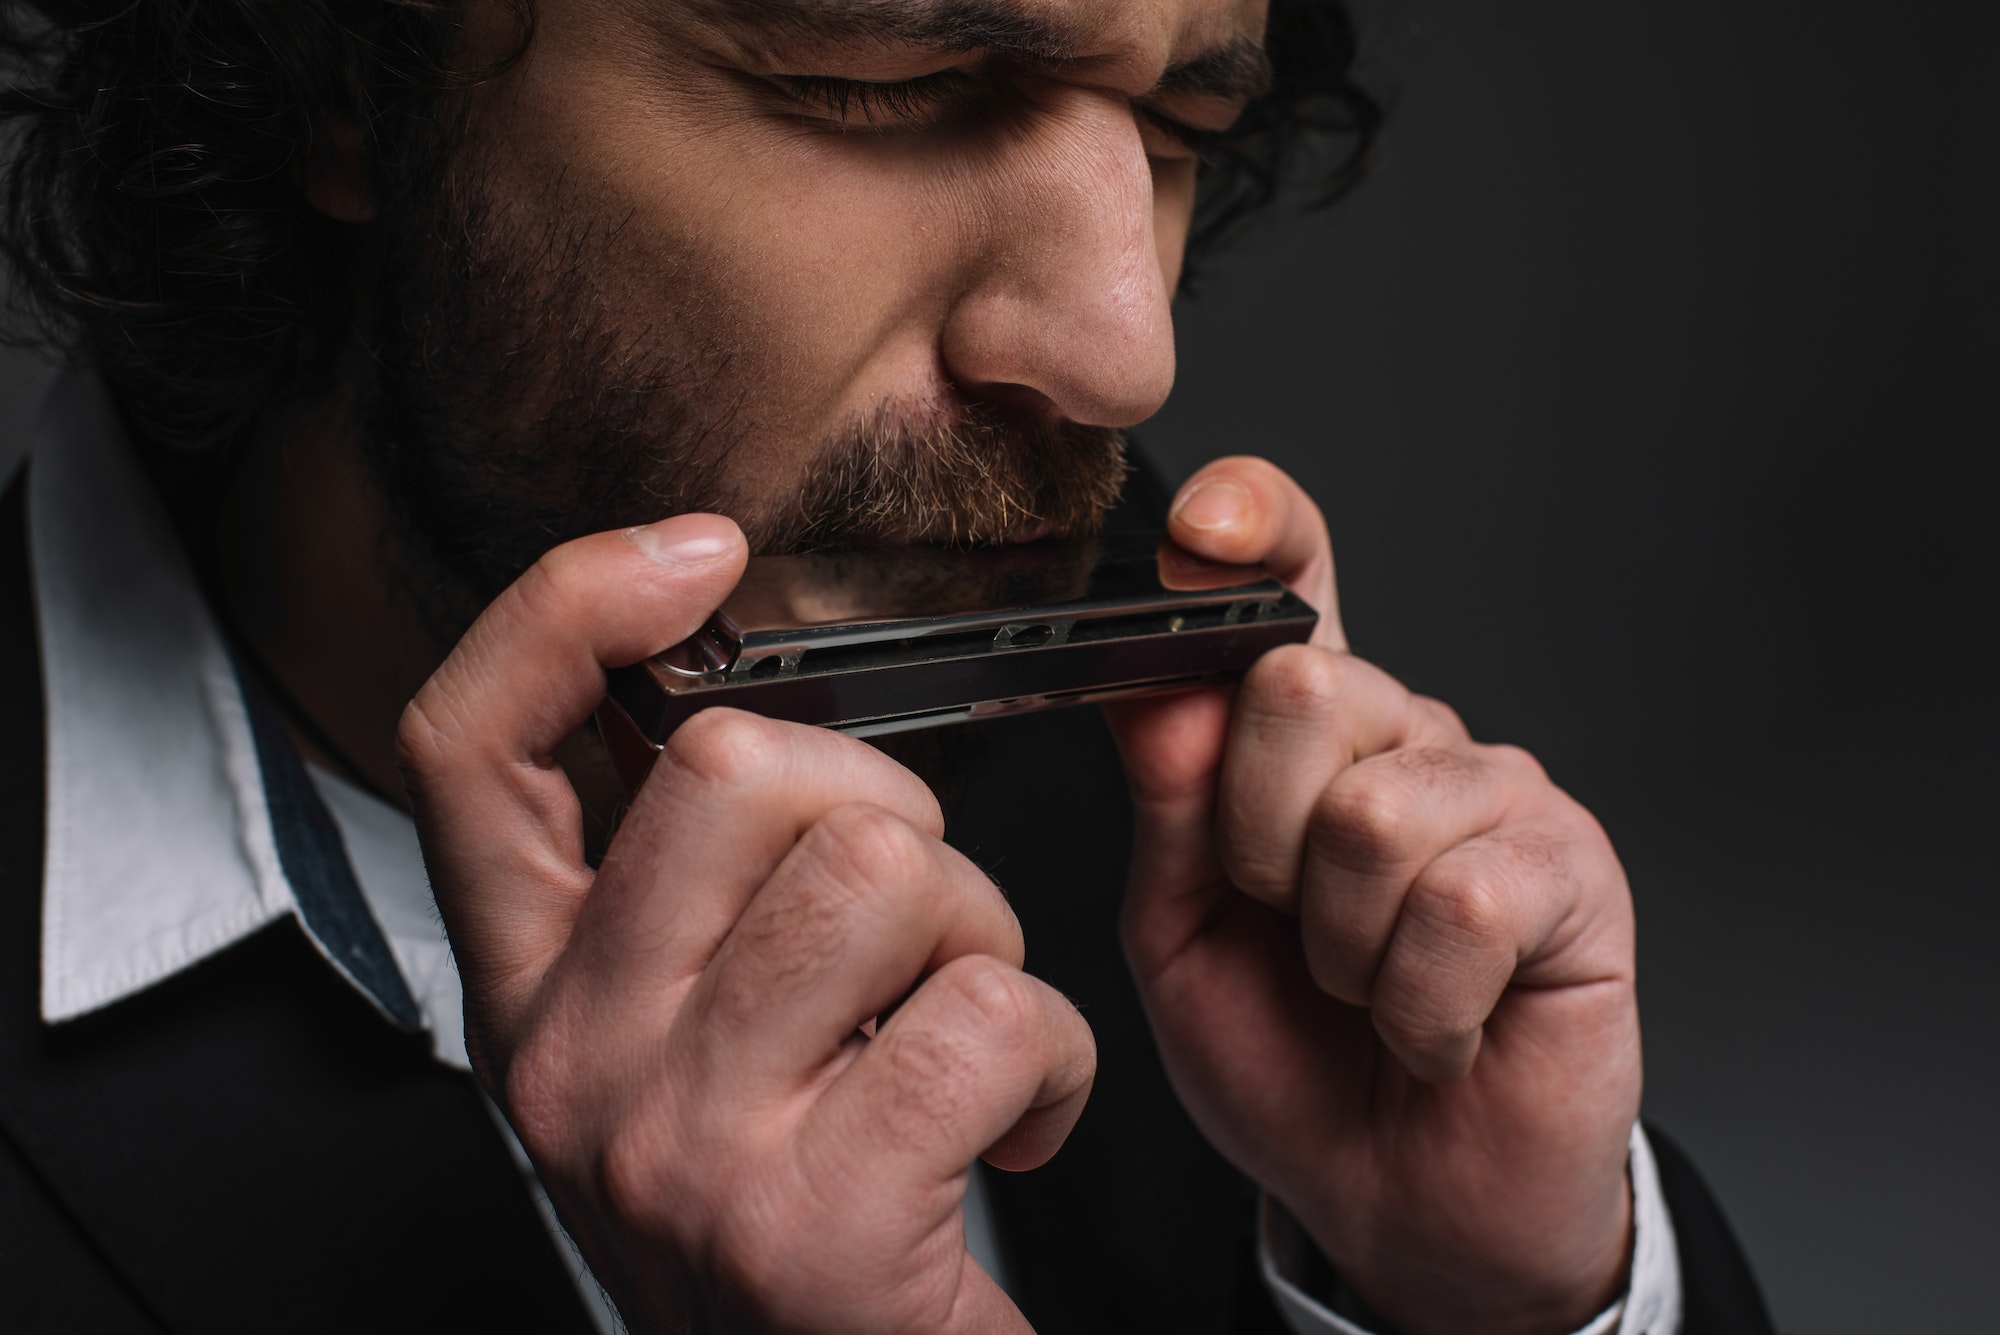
[1012,402]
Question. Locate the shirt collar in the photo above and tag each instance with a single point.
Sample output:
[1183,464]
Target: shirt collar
[180,820]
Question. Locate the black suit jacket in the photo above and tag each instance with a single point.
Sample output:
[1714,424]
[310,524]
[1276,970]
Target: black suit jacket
[249,1146]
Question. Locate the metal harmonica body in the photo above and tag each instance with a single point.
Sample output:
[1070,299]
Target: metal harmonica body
[890,640]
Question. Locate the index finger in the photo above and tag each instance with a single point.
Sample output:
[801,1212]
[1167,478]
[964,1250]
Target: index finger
[1248,511]
[501,827]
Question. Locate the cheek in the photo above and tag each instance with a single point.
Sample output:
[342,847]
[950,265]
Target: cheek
[841,265]
[822,269]
[814,267]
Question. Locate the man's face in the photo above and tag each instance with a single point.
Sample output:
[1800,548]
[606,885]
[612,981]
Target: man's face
[847,270]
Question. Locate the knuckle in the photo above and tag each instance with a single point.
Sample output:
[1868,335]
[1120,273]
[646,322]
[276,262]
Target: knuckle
[867,846]
[1462,905]
[547,591]
[723,748]
[1297,681]
[548,588]
[1580,823]
[995,996]
[1519,761]
[1366,820]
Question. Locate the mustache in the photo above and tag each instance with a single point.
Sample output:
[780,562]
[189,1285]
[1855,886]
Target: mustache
[956,478]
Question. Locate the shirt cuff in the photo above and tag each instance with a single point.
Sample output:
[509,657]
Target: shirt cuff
[1651,1306]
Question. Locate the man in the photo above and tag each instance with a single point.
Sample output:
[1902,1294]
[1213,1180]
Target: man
[471,350]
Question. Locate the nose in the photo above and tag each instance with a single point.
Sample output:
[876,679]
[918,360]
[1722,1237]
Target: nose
[1066,301]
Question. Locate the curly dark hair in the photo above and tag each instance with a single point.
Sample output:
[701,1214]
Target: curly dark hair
[154,227]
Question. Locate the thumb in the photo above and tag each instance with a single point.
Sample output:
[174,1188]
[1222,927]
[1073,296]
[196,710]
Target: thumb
[1248,511]
[502,832]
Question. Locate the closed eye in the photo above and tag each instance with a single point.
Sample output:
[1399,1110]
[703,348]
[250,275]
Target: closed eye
[887,105]
[869,104]
[1207,145]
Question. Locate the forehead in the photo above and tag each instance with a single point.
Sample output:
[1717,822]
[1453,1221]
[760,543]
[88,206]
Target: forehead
[1120,35]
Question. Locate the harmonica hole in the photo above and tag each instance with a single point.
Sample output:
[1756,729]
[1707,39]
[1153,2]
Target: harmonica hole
[1023,637]
[1257,609]
[767,667]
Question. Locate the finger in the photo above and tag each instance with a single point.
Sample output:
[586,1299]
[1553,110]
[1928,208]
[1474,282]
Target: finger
[861,908]
[1171,748]
[1303,715]
[1248,511]
[1373,832]
[722,808]
[981,1060]
[1466,925]
[501,827]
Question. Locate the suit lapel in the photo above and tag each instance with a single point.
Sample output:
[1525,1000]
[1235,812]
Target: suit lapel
[249,1144]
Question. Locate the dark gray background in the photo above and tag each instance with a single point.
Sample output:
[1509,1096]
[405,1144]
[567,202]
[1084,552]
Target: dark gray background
[1650,389]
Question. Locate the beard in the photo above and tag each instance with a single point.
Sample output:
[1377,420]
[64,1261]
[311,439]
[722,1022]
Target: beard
[510,409]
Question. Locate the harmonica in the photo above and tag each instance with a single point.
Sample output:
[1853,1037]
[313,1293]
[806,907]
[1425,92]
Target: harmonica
[891,640]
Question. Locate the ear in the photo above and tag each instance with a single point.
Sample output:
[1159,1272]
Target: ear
[335,177]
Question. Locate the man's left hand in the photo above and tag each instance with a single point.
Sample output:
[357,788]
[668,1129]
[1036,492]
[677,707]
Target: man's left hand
[1390,968]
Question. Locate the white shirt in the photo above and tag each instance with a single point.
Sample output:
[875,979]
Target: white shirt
[146,717]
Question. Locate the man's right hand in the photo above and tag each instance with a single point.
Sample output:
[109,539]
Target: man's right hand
[682,1038]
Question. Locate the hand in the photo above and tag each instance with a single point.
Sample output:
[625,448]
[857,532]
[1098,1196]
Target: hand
[1390,969]
[682,1038]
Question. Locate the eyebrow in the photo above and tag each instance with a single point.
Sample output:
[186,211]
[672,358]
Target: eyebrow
[1238,69]
[939,25]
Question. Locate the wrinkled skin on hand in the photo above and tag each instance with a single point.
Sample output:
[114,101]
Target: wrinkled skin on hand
[685,1039]
[1390,968]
